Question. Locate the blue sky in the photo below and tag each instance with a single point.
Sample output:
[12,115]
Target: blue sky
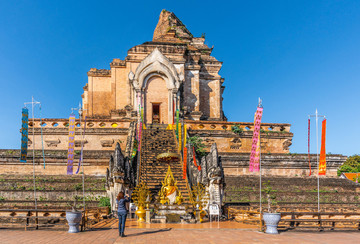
[296,55]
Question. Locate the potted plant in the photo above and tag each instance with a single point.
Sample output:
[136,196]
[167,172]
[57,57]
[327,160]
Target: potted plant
[73,217]
[270,218]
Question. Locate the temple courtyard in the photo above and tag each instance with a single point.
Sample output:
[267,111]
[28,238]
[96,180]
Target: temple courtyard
[152,126]
[221,232]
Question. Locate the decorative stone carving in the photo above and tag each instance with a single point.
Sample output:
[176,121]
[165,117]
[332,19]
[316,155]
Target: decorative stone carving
[214,176]
[208,142]
[235,143]
[78,143]
[131,75]
[52,143]
[211,174]
[107,142]
[120,176]
[287,143]
[155,62]
[196,115]
[128,109]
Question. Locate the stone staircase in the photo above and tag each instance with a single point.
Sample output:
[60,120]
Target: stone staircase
[156,140]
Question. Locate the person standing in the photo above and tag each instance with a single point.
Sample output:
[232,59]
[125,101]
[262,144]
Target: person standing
[122,212]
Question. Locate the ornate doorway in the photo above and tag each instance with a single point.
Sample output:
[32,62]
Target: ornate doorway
[156,104]
[156,113]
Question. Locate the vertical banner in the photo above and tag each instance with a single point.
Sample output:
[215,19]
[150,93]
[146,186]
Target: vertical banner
[194,158]
[185,135]
[71,144]
[138,113]
[180,139]
[173,117]
[24,134]
[309,146]
[322,163]
[184,163]
[254,157]
[82,148]
[257,155]
[141,124]
[140,118]
[177,123]
[185,154]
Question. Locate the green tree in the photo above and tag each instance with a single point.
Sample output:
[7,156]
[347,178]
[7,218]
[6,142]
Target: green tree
[351,165]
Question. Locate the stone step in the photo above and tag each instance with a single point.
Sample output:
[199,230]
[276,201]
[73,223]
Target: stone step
[156,140]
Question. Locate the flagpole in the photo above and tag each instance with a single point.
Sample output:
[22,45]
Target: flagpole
[80,111]
[260,178]
[33,104]
[81,157]
[317,158]
[260,172]
[317,153]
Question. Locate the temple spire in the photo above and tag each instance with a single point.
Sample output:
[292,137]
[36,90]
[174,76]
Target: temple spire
[171,29]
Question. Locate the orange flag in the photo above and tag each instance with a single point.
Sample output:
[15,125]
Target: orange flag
[322,163]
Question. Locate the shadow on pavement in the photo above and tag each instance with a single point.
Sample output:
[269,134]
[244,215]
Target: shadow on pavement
[149,232]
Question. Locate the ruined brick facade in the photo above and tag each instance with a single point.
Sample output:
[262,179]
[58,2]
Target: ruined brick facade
[174,71]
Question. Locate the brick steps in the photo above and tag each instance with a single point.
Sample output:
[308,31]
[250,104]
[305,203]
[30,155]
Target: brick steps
[157,140]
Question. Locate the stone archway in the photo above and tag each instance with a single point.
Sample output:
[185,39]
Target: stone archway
[156,65]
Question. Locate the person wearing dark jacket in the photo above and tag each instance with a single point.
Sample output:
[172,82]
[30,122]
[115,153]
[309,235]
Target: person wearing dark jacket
[122,212]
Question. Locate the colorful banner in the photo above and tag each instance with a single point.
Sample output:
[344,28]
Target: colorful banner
[257,155]
[24,134]
[82,148]
[322,163]
[185,162]
[194,158]
[141,125]
[254,156]
[180,139]
[185,135]
[309,146]
[177,123]
[138,123]
[71,144]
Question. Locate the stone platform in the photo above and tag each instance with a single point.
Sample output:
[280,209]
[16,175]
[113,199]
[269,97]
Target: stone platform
[172,214]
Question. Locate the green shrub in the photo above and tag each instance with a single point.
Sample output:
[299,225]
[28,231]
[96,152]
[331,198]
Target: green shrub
[236,129]
[351,165]
[198,144]
[104,202]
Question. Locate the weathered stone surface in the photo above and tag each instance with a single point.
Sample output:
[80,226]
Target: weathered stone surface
[170,28]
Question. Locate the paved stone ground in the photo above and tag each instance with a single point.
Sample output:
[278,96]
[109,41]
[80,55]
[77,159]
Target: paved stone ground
[175,235]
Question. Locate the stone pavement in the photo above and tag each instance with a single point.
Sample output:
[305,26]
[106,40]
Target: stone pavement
[224,232]
[169,235]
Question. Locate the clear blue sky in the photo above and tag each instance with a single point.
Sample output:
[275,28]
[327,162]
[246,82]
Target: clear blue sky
[296,55]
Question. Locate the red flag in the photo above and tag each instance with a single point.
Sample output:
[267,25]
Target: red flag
[194,157]
[184,164]
[322,163]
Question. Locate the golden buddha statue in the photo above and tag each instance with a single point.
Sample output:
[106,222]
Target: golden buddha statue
[169,192]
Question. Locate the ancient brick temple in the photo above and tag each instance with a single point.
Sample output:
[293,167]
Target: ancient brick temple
[174,71]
